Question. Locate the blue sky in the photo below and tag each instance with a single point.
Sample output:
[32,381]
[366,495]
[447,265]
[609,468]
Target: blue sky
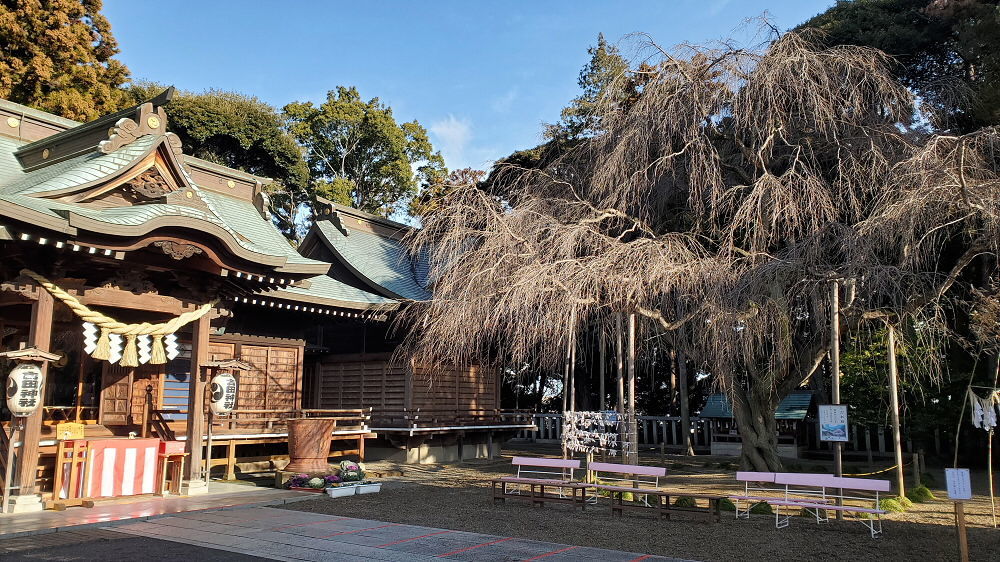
[481,76]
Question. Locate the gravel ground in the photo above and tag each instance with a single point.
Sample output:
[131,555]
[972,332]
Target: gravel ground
[459,497]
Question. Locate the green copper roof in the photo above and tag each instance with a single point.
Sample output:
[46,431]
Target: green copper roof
[379,260]
[232,218]
[793,407]
[83,169]
[325,290]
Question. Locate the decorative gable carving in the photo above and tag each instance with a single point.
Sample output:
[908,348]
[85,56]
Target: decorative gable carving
[151,120]
[120,135]
[177,250]
[150,184]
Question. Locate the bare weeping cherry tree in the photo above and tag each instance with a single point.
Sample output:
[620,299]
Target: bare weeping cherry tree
[718,205]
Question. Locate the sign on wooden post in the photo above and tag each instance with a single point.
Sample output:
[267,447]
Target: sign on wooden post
[960,489]
[959,483]
[833,423]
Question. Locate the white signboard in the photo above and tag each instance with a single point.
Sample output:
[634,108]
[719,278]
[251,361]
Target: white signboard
[959,485]
[833,423]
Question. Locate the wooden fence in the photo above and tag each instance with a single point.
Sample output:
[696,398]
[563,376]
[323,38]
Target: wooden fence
[655,431]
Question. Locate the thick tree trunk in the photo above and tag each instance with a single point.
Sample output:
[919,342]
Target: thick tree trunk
[754,415]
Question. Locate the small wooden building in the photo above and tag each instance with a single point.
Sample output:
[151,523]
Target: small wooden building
[790,417]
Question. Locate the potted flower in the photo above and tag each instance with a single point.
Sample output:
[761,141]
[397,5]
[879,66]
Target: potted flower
[335,487]
[368,487]
[353,474]
[305,483]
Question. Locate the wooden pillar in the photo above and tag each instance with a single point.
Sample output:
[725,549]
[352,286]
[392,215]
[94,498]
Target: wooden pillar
[40,336]
[231,460]
[894,404]
[196,398]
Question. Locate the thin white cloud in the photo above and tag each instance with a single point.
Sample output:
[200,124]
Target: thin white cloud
[452,136]
[503,103]
[715,7]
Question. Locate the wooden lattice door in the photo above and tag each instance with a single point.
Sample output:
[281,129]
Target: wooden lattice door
[116,395]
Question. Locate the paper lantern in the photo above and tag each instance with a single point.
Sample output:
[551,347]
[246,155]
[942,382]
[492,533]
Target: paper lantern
[223,393]
[24,389]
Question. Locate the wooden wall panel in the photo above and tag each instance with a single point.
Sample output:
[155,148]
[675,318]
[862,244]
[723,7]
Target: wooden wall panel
[282,364]
[361,382]
[356,381]
[252,393]
[462,389]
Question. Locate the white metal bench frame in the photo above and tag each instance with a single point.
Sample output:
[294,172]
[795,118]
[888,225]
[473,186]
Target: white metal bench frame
[768,494]
[823,482]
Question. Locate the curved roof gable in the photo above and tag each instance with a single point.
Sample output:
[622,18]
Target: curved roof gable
[378,259]
[128,180]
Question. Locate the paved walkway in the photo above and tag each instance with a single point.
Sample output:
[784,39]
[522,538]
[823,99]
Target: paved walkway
[282,534]
[221,495]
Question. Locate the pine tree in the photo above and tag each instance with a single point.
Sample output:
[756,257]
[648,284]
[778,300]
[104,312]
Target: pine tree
[603,79]
[56,56]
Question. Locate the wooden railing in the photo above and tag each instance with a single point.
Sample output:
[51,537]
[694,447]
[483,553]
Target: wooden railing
[59,414]
[277,420]
[653,431]
[446,417]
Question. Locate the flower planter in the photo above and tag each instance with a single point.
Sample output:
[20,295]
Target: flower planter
[306,489]
[369,488]
[309,444]
[340,491]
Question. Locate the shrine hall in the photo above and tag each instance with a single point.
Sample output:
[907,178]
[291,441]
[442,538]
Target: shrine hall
[133,275]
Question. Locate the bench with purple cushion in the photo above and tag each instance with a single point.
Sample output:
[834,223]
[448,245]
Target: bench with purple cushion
[535,474]
[831,489]
[644,482]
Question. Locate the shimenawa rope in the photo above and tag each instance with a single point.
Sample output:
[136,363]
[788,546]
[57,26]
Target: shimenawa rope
[108,325]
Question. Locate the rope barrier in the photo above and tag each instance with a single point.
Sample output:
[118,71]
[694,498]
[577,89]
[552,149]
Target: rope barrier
[109,325]
[881,471]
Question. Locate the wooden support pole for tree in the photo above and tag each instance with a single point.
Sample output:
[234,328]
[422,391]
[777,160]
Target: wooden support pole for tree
[633,422]
[572,361]
[894,404]
[196,397]
[565,381]
[601,368]
[620,370]
[838,464]
[682,376]
[620,362]
[39,336]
